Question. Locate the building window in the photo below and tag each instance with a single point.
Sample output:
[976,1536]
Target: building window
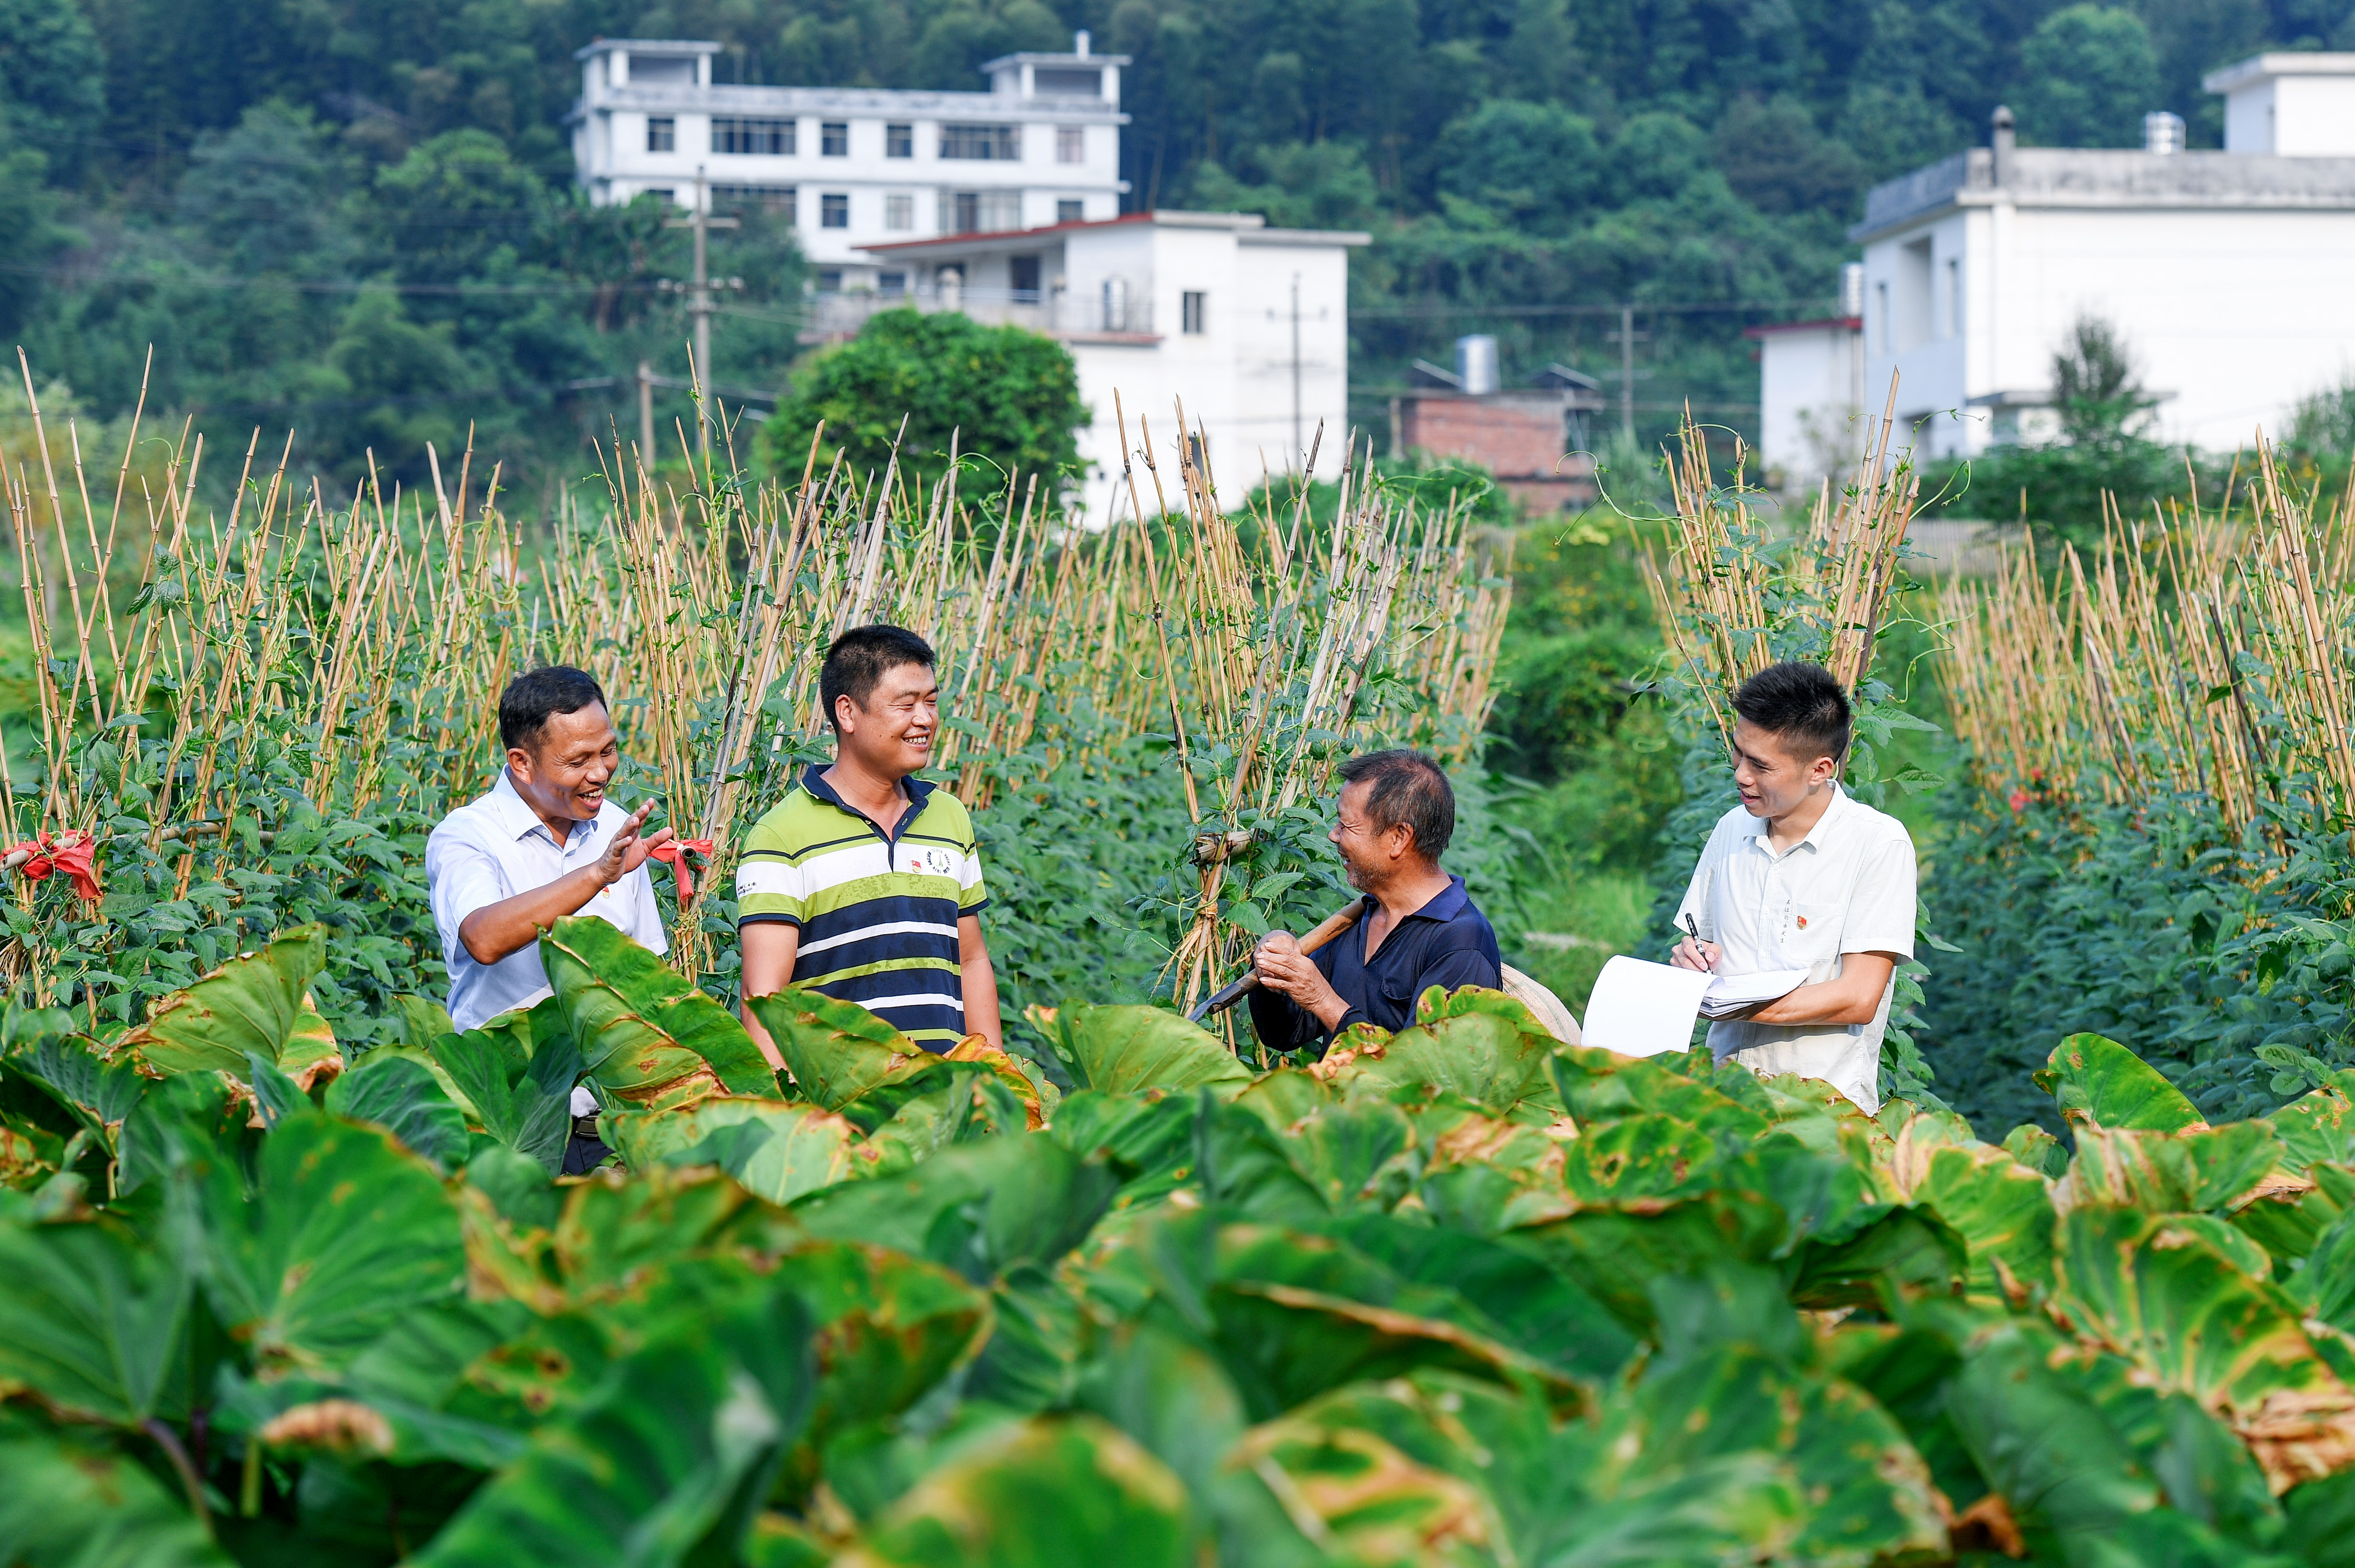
[980,211]
[1022,272]
[891,283]
[989,143]
[662,133]
[898,210]
[1071,144]
[1064,81]
[834,139]
[829,282]
[1190,310]
[1068,211]
[834,211]
[769,138]
[774,199]
[1115,304]
[661,71]
[663,194]
[1953,296]
[899,141]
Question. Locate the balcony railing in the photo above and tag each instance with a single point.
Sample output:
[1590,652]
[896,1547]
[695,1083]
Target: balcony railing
[1118,308]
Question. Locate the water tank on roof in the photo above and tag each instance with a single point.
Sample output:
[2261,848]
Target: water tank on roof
[1476,363]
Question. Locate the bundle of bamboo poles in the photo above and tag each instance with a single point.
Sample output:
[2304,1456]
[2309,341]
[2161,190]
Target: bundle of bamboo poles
[372,632]
[2188,655]
[1732,599]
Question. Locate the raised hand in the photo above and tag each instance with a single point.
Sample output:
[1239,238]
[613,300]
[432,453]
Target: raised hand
[627,850]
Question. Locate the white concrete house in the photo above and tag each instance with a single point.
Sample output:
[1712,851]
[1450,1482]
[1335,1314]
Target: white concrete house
[850,168]
[2228,273]
[1248,325]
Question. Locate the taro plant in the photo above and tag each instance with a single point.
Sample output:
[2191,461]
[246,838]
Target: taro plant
[1458,1294]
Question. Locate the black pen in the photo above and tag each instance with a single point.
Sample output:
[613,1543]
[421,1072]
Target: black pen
[1695,930]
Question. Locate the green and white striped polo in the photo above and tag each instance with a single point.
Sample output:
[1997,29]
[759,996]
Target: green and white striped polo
[878,911]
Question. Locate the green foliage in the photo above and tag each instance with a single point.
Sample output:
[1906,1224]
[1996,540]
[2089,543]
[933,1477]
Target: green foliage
[2089,75]
[1539,1314]
[1008,397]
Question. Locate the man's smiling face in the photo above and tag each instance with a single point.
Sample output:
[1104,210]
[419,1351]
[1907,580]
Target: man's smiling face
[564,772]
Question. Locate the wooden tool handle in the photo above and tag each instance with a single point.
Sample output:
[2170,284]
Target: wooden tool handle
[1331,926]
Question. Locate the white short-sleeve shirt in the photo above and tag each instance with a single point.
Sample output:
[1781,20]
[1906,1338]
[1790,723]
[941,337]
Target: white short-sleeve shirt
[1847,887]
[496,846]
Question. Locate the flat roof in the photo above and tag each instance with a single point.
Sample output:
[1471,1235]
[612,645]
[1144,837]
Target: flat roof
[1026,58]
[1249,227]
[2124,179]
[2259,68]
[648,46]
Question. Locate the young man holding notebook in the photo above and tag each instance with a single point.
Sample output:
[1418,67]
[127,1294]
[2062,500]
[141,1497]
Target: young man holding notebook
[1802,876]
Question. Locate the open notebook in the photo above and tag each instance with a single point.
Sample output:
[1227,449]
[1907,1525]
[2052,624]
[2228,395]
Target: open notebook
[1642,1009]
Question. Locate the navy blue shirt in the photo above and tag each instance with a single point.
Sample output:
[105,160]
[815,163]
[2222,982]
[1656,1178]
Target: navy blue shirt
[1447,942]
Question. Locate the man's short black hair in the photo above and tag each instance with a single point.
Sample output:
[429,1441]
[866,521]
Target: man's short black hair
[537,696]
[1801,703]
[1409,788]
[863,656]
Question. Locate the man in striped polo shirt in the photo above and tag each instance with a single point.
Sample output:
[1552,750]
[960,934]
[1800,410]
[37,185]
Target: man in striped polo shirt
[864,883]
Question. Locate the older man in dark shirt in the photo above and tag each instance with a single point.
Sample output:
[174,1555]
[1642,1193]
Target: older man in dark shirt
[1417,927]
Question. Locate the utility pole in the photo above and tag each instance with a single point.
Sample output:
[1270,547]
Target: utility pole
[1627,337]
[699,307]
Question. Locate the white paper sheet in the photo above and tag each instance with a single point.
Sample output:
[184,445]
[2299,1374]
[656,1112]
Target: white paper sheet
[1642,1009]
[1731,992]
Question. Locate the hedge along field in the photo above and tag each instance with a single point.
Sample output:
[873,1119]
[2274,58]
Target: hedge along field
[1456,1295]
[255,719]
[2154,843]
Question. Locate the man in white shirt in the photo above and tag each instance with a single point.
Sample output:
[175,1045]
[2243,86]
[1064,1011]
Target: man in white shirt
[1801,875]
[544,843]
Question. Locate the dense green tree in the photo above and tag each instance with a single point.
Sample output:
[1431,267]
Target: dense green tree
[2088,78]
[1007,397]
[52,81]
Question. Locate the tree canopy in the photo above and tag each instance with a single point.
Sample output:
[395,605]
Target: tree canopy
[1003,396]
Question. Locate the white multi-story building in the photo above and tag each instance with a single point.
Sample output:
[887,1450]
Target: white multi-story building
[853,168]
[2226,272]
[1246,325]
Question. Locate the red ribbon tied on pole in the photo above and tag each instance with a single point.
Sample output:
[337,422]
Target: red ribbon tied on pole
[673,852]
[74,852]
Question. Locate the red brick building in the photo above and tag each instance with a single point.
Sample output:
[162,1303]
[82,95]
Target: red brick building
[1534,440]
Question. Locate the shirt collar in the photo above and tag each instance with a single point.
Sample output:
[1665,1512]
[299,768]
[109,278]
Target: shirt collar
[515,816]
[1442,906]
[813,781]
[1816,835]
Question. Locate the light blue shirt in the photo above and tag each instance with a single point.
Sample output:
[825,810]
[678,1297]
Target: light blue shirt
[496,846]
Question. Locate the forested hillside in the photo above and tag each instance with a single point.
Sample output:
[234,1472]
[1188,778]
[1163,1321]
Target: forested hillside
[357,219]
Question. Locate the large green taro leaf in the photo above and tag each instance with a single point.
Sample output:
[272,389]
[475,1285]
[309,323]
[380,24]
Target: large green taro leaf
[666,1463]
[65,1506]
[253,1006]
[2098,1080]
[2000,1208]
[1123,1050]
[1054,1492]
[889,1329]
[1616,1252]
[780,1150]
[2043,1445]
[345,1234]
[1598,1086]
[523,1102]
[2160,1292]
[399,1092]
[1480,1054]
[2179,1173]
[2319,1128]
[1868,1492]
[611,1234]
[837,1052]
[93,1320]
[98,1094]
[1527,1305]
[1640,1157]
[980,1207]
[643,1031]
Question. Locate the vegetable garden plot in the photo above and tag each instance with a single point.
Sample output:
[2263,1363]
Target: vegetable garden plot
[1456,1296]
